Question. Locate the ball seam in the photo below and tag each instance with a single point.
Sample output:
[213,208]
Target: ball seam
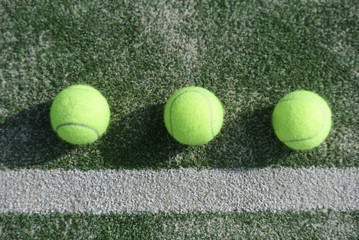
[78,125]
[209,103]
[323,124]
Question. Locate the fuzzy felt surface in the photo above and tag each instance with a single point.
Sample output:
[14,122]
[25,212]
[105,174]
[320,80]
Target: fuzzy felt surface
[302,120]
[80,114]
[193,115]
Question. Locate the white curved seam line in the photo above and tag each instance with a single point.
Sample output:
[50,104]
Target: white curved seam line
[300,140]
[209,103]
[79,125]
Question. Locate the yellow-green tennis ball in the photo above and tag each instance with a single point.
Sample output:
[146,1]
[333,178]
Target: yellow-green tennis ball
[80,114]
[302,120]
[193,115]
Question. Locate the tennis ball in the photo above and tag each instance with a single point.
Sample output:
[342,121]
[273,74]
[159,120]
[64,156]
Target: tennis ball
[193,115]
[302,120]
[80,114]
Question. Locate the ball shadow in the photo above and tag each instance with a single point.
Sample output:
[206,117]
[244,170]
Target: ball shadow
[249,142]
[27,138]
[139,140]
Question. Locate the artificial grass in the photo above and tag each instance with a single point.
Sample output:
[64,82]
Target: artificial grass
[249,53]
[259,225]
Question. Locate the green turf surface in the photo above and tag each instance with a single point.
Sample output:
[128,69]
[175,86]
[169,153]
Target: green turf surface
[286,225]
[249,53]
[137,53]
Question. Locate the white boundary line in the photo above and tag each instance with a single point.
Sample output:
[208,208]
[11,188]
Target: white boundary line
[183,190]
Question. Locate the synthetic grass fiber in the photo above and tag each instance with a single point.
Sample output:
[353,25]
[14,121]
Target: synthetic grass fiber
[137,54]
[261,225]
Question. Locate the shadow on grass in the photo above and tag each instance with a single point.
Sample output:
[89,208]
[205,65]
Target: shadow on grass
[139,140]
[248,141]
[27,138]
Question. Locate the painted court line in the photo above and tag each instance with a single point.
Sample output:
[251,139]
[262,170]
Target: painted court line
[183,190]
